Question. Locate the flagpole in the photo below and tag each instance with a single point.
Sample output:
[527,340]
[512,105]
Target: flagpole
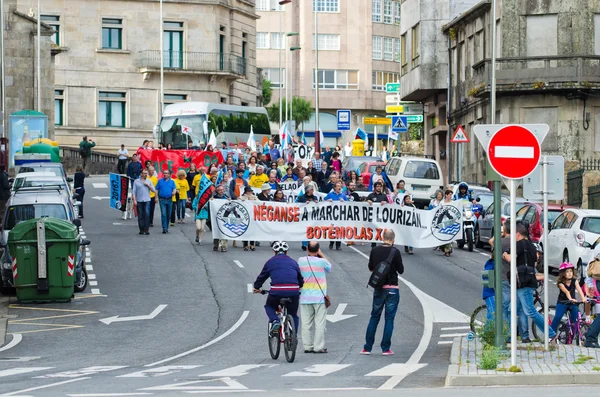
[317,126]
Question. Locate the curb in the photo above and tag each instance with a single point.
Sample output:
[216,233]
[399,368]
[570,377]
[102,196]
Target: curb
[3,318]
[455,351]
[454,380]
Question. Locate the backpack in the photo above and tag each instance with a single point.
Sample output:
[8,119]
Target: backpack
[593,269]
[82,151]
[379,276]
[526,272]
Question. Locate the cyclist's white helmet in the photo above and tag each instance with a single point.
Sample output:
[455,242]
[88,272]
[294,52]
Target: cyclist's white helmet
[280,247]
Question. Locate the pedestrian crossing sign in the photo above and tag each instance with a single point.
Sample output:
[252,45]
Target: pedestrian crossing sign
[399,124]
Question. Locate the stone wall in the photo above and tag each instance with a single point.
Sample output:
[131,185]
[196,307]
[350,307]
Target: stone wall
[101,163]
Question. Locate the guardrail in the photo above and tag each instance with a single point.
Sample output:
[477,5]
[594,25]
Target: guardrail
[100,163]
[209,62]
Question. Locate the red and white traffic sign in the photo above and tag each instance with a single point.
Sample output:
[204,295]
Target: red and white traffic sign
[460,136]
[514,152]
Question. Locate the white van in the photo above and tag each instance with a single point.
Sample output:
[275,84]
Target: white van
[422,177]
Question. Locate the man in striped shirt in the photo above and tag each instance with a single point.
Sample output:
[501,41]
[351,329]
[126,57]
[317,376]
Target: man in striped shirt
[312,300]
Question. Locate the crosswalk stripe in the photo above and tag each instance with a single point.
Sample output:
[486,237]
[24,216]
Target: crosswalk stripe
[238,370]
[445,342]
[19,371]
[319,370]
[455,328]
[159,371]
[452,335]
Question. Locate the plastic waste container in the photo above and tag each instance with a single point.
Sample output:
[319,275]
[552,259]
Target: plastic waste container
[43,254]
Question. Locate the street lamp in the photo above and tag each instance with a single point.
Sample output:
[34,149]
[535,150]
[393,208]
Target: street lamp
[281,3]
[287,70]
[162,66]
[292,49]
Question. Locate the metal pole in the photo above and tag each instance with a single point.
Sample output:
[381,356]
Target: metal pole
[287,87]
[460,160]
[500,343]
[39,58]
[374,152]
[317,126]
[2,51]
[280,66]
[162,66]
[513,272]
[545,243]
[292,91]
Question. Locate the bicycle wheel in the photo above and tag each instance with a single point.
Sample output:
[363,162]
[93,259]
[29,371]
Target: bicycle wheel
[290,341]
[583,330]
[274,345]
[478,318]
[534,330]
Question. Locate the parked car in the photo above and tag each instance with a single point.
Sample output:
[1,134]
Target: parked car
[485,225]
[30,203]
[366,169]
[351,163]
[56,168]
[423,176]
[475,190]
[569,231]
[532,213]
[46,178]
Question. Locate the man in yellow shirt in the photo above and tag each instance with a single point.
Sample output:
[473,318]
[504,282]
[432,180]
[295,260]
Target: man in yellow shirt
[153,199]
[257,180]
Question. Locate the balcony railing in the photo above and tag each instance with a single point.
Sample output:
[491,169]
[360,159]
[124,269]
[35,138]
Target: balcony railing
[195,62]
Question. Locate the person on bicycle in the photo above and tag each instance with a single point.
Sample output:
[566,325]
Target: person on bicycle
[286,282]
[567,285]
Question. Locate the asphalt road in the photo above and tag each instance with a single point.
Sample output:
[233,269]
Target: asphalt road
[211,335]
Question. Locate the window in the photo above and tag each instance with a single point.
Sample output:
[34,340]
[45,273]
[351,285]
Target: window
[421,170]
[173,44]
[403,60]
[380,79]
[388,12]
[397,12]
[223,99]
[590,224]
[328,42]
[276,41]
[174,98]
[416,45]
[376,11]
[244,44]
[268,5]
[262,40]
[397,50]
[326,5]
[53,21]
[337,79]
[377,47]
[59,102]
[111,109]
[112,31]
[272,74]
[388,48]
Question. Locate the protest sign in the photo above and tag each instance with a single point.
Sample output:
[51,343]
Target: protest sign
[334,221]
[119,188]
[205,192]
[174,160]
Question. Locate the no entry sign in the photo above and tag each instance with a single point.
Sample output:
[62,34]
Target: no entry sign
[514,152]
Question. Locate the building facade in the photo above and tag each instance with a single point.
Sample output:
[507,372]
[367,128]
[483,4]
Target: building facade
[107,63]
[424,67]
[548,71]
[359,46]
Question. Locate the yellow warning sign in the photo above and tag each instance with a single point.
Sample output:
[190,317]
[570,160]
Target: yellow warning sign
[377,121]
[394,109]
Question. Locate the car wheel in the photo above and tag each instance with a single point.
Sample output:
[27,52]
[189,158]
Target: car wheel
[83,281]
[565,256]
[478,242]
[580,270]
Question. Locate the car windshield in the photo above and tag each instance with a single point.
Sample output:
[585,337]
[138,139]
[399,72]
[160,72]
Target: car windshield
[421,170]
[35,182]
[21,213]
[372,169]
[53,170]
[486,200]
[591,225]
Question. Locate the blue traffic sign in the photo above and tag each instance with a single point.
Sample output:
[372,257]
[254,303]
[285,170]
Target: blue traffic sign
[343,120]
[399,124]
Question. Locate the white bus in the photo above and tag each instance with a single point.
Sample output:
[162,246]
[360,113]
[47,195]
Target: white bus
[193,122]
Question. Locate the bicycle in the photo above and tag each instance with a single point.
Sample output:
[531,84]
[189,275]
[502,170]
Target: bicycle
[569,332]
[286,335]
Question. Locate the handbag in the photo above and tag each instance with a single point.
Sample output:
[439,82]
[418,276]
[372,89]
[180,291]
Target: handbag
[326,297]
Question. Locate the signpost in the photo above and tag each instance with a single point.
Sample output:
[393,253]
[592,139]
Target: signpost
[514,153]
[460,137]
[343,120]
[377,121]
[552,167]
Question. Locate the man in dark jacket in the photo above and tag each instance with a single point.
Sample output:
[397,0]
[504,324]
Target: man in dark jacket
[264,194]
[134,169]
[4,190]
[386,297]
[85,151]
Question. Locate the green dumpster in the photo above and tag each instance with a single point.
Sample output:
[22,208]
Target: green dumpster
[43,251]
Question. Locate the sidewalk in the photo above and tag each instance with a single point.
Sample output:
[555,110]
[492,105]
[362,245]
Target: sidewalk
[567,364]
[3,318]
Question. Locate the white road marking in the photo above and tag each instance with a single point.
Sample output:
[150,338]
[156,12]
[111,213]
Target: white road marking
[89,267]
[235,326]
[117,319]
[514,152]
[82,372]
[455,328]
[238,370]
[339,315]
[319,370]
[93,283]
[88,253]
[19,359]
[17,371]
[188,215]
[17,338]
[238,263]
[484,254]
[445,342]
[100,185]
[230,385]
[159,371]
[44,386]
[95,291]
[250,288]
[109,394]
[452,335]
[88,260]
[91,276]
[335,389]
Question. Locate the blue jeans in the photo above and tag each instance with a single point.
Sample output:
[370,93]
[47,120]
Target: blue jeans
[490,304]
[388,298]
[166,206]
[525,298]
[592,335]
[522,324]
[181,208]
[272,305]
[561,309]
[143,210]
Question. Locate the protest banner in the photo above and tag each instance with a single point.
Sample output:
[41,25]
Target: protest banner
[205,192]
[334,221]
[303,152]
[174,160]
[119,189]
[291,191]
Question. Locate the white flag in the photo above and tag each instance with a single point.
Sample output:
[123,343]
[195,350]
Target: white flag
[186,130]
[251,141]
[321,137]
[283,135]
[213,139]
[393,135]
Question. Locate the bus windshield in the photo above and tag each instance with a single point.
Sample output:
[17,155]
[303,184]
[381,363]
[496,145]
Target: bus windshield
[173,131]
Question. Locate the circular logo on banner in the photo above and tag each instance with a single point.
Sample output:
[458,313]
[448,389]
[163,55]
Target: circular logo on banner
[233,219]
[117,205]
[446,223]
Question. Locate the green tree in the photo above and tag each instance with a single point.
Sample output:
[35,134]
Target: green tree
[301,112]
[267,92]
[415,131]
